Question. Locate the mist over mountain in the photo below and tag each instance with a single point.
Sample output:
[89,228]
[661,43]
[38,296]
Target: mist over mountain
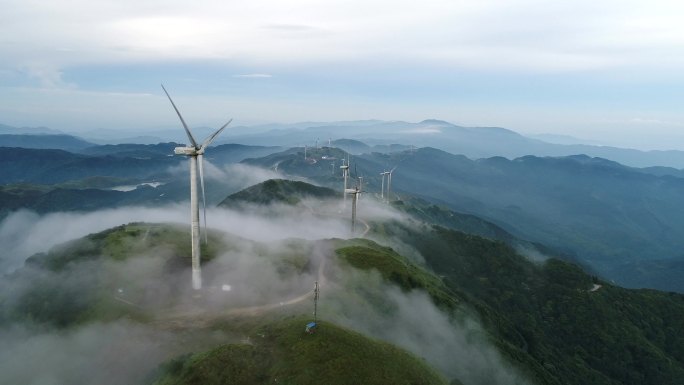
[278,191]
[98,177]
[62,142]
[564,139]
[601,212]
[341,193]
[435,303]
[472,271]
[10,130]
[609,217]
[384,136]
[473,142]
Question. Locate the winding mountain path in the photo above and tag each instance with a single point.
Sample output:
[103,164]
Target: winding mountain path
[199,317]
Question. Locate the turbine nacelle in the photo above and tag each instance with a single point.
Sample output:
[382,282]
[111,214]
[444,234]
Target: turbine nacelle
[189,151]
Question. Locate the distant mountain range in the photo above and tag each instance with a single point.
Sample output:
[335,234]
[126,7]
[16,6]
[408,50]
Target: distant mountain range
[473,142]
[615,218]
[10,130]
[47,180]
[608,215]
[46,141]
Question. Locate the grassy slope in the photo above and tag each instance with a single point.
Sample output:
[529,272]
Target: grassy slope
[278,191]
[59,297]
[548,319]
[286,353]
[283,353]
[543,315]
[366,255]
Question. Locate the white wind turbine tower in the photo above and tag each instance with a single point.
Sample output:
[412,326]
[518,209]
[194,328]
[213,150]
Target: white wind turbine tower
[389,182]
[345,173]
[195,153]
[360,186]
[382,189]
[355,197]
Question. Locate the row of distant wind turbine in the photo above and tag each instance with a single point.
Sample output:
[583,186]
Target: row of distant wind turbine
[195,154]
[358,189]
[387,174]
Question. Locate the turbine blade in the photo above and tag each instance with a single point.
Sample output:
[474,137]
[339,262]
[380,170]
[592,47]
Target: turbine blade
[204,198]
[211,138]
[395,167]
[187,130]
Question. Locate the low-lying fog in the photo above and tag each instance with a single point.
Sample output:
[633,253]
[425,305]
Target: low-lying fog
[126,351]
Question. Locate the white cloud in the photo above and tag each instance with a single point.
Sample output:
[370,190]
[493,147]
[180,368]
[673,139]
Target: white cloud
[46,75]
[651,121]
[353,60]
[538,34]
[253,76]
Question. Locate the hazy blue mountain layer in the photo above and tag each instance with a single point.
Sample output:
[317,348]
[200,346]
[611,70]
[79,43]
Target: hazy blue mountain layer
[376,135]
[604,213]
[61,142]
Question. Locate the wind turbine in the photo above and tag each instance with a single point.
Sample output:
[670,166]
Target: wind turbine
[382,189]
[355,197]
[360,186]
[389,182]
[195,153]
[345,174]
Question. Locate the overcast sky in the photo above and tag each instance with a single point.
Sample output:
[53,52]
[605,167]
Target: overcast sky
[608,70]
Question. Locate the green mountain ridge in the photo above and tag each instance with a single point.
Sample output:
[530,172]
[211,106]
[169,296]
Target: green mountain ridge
[577,328]
[283,353]
[598,211]
[53,301]
[278,191]
[44,141]
[537,301]
[549,320]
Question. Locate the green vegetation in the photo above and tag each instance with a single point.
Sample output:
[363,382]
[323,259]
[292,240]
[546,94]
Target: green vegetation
[598,211]
[443,216]
[283,353]
[122,242]
[277,191]
[74,282]
[367,255]
[553,321]
[82,195]
[547,318]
